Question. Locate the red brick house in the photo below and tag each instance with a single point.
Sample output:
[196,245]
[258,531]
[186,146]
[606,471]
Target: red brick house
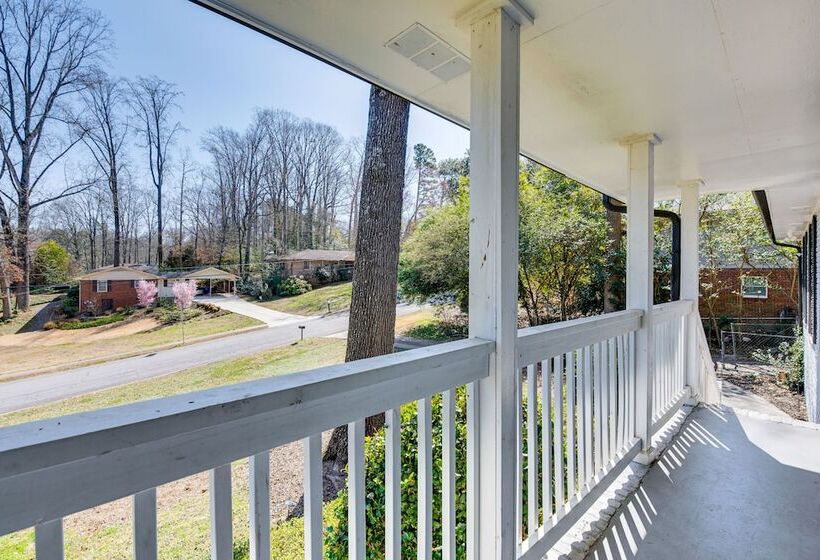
[113,287]
[749,292]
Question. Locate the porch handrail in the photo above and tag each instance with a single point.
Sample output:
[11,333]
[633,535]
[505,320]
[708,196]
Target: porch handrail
[556,338]
[55,467]
[662,312]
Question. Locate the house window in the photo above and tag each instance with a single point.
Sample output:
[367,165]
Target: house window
[306,265]
[102,285]
[755,287]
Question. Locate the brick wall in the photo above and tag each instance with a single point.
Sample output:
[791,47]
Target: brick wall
[783,293]
[119,291]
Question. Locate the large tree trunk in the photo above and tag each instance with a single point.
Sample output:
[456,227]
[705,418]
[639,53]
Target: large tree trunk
[115,203]
[23,256]
[5,294]
[371,331]
[614,235]
[159,227]
[6,254]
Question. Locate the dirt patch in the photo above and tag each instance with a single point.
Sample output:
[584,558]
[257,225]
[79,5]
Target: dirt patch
[82,336]
[756,380]
[286,479]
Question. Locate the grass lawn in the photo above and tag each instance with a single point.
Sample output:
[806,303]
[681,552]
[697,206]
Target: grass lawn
[105,532]
[315,301]
[20,319]
[80,345]
[311,353]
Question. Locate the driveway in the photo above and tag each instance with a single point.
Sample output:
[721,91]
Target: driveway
[41,389]
[240,306]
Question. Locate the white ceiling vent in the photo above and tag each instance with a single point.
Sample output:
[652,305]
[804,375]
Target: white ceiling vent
[427,50]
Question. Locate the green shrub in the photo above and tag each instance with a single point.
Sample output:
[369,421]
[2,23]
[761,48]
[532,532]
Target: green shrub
[336,535]
[208,307]
[787,359]
[255,288]
[294,286]
[323,275]
[97,322]
[168,314]
[71,301]
[438,330]
[794,376]
[344,274]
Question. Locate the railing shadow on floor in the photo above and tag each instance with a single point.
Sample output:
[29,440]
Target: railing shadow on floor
[719,491]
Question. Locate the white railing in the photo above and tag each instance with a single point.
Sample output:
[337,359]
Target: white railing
[669,379]
[53,468]
[577,392]
[709,386]
[577,399]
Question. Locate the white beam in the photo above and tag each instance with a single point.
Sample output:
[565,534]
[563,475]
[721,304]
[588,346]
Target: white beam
[690,276]
[494,149]
[639,272]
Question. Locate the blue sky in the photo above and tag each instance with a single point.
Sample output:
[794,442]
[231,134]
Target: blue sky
[227,70]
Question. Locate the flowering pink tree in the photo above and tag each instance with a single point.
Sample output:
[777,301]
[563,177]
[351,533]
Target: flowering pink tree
[146,293]
[184,293]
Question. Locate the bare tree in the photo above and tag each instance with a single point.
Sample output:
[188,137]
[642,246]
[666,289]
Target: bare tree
[155,101]
[186,167]
[354,168]
[47,48]
[104,130]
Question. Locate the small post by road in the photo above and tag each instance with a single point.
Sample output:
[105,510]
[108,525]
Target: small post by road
[301,332]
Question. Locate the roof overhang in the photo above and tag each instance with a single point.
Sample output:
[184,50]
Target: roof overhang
[119,273]
[210,273]
[732,86]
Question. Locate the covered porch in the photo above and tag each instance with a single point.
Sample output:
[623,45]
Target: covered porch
[559,418]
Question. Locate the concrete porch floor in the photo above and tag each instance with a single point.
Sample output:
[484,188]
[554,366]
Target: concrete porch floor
[731,485]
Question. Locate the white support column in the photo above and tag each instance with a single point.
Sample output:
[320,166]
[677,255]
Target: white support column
[690,279]
[494,156]
[639,274]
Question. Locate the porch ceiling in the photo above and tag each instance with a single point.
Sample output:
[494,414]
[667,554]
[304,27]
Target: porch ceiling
[731,86]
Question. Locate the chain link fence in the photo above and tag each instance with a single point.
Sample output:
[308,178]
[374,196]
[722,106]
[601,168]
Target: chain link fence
[745,348]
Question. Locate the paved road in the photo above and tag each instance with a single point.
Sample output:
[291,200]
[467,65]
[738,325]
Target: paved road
[15,395]
[238,305]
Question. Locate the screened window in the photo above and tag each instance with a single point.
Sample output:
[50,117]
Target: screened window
[755,287]
[102,285]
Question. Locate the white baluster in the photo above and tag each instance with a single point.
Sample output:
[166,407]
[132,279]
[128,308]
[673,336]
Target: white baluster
[220,507]
[313,497]
[425,490]
[145,524]
[448,474]
[392,483]
[48,540]
[356,545]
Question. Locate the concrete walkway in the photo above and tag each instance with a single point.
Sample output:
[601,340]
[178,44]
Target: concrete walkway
[738,397]
[731,486]
[41,389]
[235,304]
